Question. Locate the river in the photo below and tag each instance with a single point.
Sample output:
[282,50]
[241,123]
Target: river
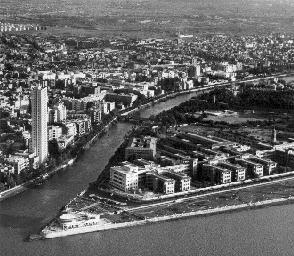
[265,231]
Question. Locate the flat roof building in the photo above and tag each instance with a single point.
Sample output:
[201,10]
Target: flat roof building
[216,175]
[182,181]
[124,177]
[160,183]
[253,169]
[141,148]
[268,165]
[238,171]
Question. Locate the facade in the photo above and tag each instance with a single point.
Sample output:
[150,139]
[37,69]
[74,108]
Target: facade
[54,132]
[108,107]
[58,113]
[182,181]
[160,183]
[285,157]
[71,129]
[238,171]
[164,180]
[268,165]
[39,101]
[65,140]
[253,169]
[6,168]
[141,148]
[80,127]
[194,71]
[124,177]
[96,115]
[18,162]
[216,174]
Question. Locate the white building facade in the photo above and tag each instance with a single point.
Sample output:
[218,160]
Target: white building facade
[39,101]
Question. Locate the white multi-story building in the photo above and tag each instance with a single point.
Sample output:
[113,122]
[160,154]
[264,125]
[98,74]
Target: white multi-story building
[124,177]
[19,163]
[58,113]
[39,101]
[71,128]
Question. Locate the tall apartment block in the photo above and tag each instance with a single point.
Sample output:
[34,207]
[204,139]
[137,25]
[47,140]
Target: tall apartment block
[39,101]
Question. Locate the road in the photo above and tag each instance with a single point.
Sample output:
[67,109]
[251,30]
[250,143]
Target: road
[193,197]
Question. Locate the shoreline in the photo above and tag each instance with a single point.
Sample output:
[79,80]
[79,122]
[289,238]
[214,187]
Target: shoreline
[167,218]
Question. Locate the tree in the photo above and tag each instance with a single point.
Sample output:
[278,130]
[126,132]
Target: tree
[53,148]
[10,181]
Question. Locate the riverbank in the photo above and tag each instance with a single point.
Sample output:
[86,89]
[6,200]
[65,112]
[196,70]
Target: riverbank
[23,187]
[48,234]
[26,185]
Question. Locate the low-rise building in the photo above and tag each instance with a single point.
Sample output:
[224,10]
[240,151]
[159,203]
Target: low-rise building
[7,168]
[160,184]
[268,165]
[107,107]
[54,132]
[71,128]
[124,177]
[141,148]
[65,140]
[83,126]
[238,171]
[216,175]
[19,163]
[57,113]
[182,181]
[253,169]
[284,157]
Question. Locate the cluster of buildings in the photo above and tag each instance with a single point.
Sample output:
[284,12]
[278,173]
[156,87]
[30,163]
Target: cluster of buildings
[170,165]
[144,174]
[15,27]
[219,160]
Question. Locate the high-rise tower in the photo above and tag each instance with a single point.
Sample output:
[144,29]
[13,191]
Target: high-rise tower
[39,101]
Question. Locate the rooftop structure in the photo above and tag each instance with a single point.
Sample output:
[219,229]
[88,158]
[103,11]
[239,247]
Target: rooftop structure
[141,148]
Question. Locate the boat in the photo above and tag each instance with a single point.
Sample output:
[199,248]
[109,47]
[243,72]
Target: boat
[34,237]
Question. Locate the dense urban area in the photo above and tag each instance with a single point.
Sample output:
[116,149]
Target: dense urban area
[59,95]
